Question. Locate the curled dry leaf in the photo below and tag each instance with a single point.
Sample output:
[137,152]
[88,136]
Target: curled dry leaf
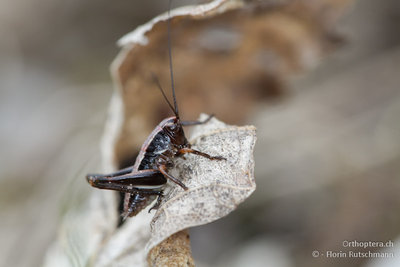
[89,235]
[235,50]
[215,187]
[243,50]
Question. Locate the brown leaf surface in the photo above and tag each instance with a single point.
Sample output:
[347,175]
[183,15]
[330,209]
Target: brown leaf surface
[174,251]
[225,52]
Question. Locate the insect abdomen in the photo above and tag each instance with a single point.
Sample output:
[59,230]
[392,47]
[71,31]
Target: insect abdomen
[160,143]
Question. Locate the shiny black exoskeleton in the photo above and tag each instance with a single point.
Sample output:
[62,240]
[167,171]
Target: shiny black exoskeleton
[146,178]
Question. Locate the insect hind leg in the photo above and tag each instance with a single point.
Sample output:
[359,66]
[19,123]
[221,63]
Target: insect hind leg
[110,175]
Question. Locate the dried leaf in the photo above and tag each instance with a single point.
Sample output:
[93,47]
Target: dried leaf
[89,234]
[235,50]
[83,231]
[215,187]
[267,40]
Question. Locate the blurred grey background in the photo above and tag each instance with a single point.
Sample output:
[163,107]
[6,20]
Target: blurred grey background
[327,159]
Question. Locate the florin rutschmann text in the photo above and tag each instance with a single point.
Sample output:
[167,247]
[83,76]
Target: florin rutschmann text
[358,249]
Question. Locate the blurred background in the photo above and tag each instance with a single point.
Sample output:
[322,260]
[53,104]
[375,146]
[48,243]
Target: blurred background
[327,155]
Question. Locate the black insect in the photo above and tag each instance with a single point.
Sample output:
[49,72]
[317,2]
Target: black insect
[145,180]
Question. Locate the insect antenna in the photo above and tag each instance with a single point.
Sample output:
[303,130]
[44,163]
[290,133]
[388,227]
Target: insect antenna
[163,93]
[174,108]
[170,59]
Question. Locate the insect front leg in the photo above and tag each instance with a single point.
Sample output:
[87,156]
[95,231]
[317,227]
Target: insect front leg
[186,150]
[162,164]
